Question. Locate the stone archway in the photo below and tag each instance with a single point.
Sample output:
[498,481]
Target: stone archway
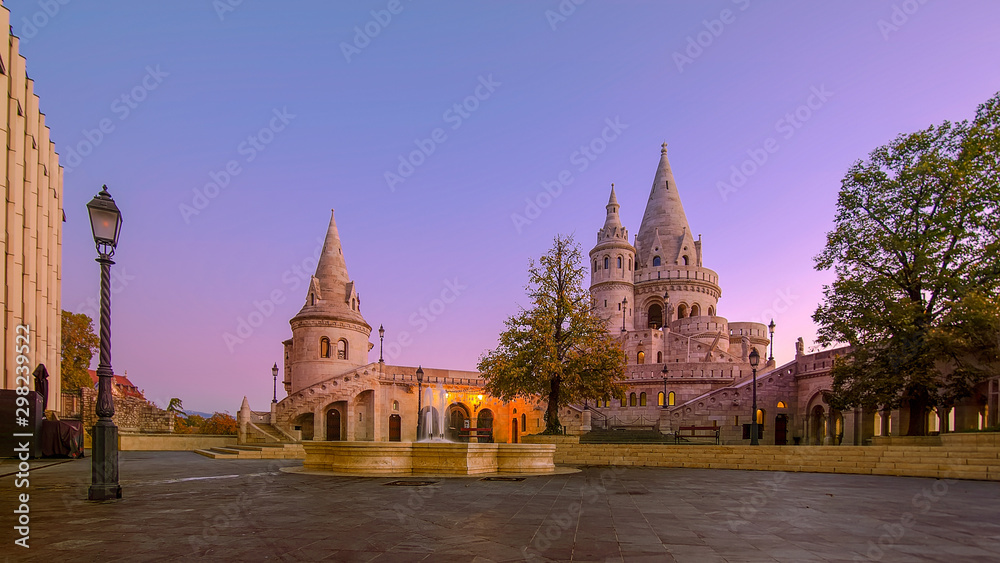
[483,421]
[458,421]
[395,428]
[304,424]
[817,425]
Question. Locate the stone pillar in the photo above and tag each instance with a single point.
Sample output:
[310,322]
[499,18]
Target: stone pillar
[319,424]
[966,415]
[243,418]
[351,424]
[886,417]
[830,425]
[945,422]
[380,424]
[585,421]
[866,429]
[896,427]
[852,425]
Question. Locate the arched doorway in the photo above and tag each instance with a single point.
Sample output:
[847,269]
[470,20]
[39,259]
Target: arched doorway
[457,423]
[395,428]
[513,431]
[817,425]
[333,425]
[485,421]
[781,430]
[655,316]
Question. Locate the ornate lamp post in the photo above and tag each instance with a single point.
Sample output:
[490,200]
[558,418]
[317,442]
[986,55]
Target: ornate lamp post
[381,337]
[624,306]
[771,328]
[420,396]
[754,362]
[665,371]
[106,224]
[274,373]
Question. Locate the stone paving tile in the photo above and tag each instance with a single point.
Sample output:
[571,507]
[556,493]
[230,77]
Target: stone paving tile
[179,505]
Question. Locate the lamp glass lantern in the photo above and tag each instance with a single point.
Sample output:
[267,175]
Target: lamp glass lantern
[105,222]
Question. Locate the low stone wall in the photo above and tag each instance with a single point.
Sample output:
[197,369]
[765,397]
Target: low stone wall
[969,458]
[132,414]
[172,442]
[427,458]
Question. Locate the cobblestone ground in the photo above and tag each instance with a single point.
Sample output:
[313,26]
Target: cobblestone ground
[178,505]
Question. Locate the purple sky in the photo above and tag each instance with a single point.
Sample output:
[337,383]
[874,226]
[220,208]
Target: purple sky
[208,82]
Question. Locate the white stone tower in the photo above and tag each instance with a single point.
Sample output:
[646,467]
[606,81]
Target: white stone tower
[670,259]
[329,335]
[612,263]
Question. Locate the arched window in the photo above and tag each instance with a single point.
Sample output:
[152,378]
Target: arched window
[341,349]
[631,400]
[595,265]
[630,264]
[782,405]
[685,259]
[312,298]
[606,262]
[619,262]
[642,399]
[395,405]
[682,311]
[324,347]
[524,421]
[354,305]
[659,399]
[659,357]
[655,316]
[760,416]
[695,310]
[656,261]
[624,402]
[640,358]
[671,398]
[711,311]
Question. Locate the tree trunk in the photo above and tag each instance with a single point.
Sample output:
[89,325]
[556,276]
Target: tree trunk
[552,425]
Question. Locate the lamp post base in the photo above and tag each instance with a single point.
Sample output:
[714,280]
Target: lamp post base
[104,467]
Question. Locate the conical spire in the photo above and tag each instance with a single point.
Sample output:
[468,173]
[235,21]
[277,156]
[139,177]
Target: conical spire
[614,220]
[331,291]
[332,270]
[664,223]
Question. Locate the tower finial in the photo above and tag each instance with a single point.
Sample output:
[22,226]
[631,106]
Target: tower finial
[663,148]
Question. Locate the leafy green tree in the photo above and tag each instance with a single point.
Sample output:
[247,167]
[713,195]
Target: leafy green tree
[915,251]
[560,348]
[79,343]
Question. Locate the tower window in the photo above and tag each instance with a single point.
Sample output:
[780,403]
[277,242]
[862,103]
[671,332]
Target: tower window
[619,262]
[655,315]
[324,347]
[671,398]
[659,399]
[659,357]
[640,358]
[341,349]
[631,400]
[656,261]
[595,265]
[606,262]
[642,399]
[685,260]
[630,264]
[695,310]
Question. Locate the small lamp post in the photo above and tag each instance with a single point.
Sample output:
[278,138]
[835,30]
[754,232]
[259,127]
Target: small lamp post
[381,337]
[106,224]
[624,308]
[665,371]
[666,309]
[771,328]
[420,396]
[754,362]
[274,373]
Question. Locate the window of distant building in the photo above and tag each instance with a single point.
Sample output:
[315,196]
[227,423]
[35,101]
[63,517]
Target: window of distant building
[619,262]
[659,357]
[324,347]
[671,397]
[606,262]
[642,399]
[640,358]
[659,399]
[656,261]
[631,400]
[341,349]
[685,259]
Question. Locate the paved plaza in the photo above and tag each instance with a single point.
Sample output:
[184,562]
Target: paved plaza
[179,505]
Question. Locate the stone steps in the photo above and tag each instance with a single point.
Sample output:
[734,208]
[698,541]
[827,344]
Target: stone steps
[256,451]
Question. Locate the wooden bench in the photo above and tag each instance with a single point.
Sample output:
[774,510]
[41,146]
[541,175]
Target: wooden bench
[685,432]
[482,435]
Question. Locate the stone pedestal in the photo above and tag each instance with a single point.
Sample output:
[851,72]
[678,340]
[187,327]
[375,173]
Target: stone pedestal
[104,473]
[585,421]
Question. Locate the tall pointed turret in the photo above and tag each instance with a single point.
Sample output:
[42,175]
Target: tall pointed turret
[613,261]
[613,220]
[328,333]
[664,231]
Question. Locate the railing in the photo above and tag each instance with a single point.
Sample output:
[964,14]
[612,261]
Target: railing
[598,420]
[432,379]
[639,421]
[260,417]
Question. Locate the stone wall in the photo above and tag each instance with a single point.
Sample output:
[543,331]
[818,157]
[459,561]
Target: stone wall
[132,414]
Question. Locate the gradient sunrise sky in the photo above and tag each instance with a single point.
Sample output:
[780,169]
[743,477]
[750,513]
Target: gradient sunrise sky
[302,107]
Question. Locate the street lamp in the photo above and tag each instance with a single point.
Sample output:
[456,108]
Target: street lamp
[274,373]
[381,337]
[420,396]
[771,328]
[624,305]
[754,362]
[106,224]
[664,371]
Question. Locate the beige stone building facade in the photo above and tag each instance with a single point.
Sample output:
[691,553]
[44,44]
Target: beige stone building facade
[688,365]
[31,224]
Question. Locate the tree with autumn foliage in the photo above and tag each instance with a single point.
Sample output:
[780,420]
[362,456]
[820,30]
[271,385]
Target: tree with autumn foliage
[79,343]
[916,252]
[220,423]
[560,348]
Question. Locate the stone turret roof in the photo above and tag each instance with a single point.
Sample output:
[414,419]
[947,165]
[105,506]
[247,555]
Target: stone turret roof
[614,220]
[331,293]
[664,223]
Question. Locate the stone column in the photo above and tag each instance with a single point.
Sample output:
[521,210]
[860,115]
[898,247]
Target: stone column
[886,417]
[319,424]
[852,425]
[866,430]
[380,425]
[585,421]
[351,424]
[897,428]
[830,425]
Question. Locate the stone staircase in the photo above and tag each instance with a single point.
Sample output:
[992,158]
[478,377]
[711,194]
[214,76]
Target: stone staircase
[256,451]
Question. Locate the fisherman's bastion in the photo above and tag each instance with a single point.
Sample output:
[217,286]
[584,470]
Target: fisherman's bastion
[688,373]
